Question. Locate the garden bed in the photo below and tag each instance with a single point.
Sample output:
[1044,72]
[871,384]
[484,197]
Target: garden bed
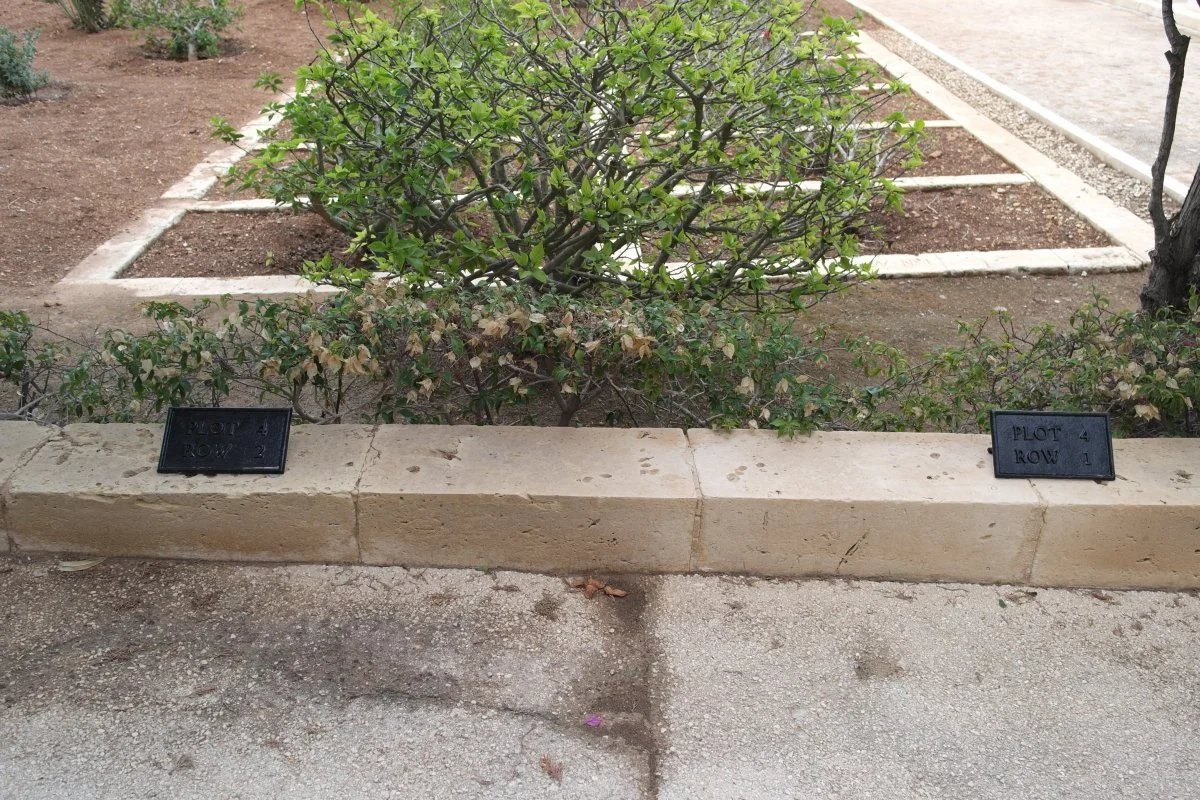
[238,244]
[229,244]
[981,218]
[908,104]
[953,151]
[67,197]
[118,128]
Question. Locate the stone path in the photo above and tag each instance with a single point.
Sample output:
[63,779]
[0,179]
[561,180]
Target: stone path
[1097,65]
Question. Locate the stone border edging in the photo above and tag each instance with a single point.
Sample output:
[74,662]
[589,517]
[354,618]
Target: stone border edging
[916,507]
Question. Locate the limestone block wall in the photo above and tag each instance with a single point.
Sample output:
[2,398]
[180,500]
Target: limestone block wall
[914,507]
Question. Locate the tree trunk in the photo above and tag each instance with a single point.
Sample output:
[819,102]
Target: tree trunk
[1175,260]
[1174,264]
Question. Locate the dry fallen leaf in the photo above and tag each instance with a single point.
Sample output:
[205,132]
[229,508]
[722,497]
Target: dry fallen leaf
[591,586]
[79,566]
[1020,597]
[552,768]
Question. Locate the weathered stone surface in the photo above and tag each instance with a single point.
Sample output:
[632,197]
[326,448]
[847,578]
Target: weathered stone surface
[17,442]
[95,489]
[903,506]
[899,506]
[1141,530]
[546,499]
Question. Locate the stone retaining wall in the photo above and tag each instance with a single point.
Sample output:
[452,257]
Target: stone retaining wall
[921,507]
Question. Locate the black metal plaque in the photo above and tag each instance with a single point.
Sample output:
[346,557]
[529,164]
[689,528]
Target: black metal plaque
[225,440]
[1052,444]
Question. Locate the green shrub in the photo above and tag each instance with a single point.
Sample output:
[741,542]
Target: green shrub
[188,29]
[493,357]
[554,146]
[120,12]
[1142,369]
[515,356]
[87,15]
[18,79]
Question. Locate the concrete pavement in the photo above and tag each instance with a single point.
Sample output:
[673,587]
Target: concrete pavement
[1099,66]
[169,679]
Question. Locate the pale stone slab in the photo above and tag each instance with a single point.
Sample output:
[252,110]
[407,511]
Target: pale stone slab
[252,204]
[106,261]
[18,440]
[962,262]
[920,182]
[904,265]
[904,506]
[545,499]
[1043,260]
[1103,259]
[197,183]
[1141,530]
[1090,259]
[254,286]
[1000,262]
[94,489]
[906,182]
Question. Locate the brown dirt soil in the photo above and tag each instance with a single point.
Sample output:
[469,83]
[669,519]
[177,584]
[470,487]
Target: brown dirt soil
[922,314]
[77,166]
[237,244]
[953,151]
[983,218]
[908,104]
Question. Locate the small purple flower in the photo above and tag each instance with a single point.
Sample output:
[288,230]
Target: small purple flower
[594,721]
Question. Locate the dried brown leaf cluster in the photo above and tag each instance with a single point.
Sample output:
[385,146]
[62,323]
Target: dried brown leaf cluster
[593,586]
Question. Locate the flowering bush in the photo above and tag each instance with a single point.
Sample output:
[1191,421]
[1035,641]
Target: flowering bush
[493,357]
